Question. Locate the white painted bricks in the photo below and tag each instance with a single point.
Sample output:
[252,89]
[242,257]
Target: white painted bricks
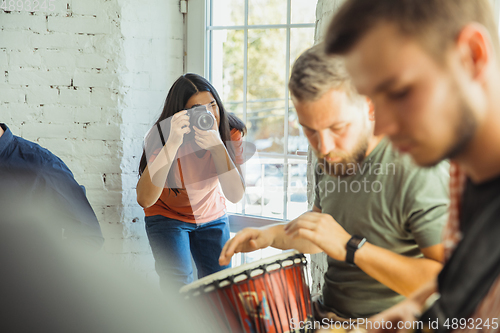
[84,25]
[324,13]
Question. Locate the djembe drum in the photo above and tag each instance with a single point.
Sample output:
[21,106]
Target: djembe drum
[269,295]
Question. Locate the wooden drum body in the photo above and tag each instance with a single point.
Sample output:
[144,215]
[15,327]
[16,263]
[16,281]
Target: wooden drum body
[269,295]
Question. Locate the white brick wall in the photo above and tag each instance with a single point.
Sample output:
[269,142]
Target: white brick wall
[325,10]
[86,81]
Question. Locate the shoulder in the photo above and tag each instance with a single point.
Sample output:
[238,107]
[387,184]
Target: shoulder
[404,165]
[436,175]
[31,155]
[235,135]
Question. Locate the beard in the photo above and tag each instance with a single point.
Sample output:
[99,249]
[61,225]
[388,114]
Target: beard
[349,163]
[464,131]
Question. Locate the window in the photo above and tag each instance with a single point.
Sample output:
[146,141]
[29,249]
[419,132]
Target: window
[250,47]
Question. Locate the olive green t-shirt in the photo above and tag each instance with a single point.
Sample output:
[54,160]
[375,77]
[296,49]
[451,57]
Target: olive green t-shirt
[395,205]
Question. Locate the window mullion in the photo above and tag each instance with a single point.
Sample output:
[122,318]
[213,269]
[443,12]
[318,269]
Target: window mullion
[209,34]
[285,141]
[245,74]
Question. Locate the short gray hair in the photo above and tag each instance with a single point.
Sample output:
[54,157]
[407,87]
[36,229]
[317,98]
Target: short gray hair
[314,73]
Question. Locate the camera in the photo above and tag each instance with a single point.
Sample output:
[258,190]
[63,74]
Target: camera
[200,117]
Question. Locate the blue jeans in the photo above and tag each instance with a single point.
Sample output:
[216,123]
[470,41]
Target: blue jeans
[173,242]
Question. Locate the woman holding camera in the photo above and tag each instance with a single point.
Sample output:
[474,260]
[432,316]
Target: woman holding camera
[183,181]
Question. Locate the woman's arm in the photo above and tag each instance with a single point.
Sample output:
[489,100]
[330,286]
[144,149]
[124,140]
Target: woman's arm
[155,173]
[152,181]
[231,182]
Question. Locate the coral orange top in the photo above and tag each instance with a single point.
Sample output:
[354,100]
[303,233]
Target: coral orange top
[200,197]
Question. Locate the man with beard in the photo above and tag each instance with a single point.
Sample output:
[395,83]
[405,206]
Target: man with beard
[432,69]
[377,216]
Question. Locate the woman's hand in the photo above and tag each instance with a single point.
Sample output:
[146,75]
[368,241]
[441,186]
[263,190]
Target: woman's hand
[208,140]
[394,319]
[179,126]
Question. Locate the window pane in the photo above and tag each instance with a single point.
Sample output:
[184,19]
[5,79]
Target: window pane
[301,39]
[266,89]
[266,63]
[265,123]
[297,188]
[228,12]
[264,187]
[304,11]
[234,208]
[235,107]
[297,141]
[227,64]
[267,12]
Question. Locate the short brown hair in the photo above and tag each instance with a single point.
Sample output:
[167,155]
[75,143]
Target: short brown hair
[314,73]
[435,23]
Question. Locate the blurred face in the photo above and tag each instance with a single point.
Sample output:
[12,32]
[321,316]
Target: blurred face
[338,130]
[206,99]
[420,104]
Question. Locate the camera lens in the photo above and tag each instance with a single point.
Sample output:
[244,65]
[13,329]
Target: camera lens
[200,117]
[205,122]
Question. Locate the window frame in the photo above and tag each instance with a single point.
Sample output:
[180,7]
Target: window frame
[196,36]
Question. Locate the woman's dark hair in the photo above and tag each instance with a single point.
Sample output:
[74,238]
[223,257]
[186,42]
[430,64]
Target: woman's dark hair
[236,123]
[181,91]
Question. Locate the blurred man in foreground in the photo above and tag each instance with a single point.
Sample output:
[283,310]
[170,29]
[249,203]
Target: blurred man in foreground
[432,69]
[50,286]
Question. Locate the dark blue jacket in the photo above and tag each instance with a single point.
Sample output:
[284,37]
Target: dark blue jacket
[37,187]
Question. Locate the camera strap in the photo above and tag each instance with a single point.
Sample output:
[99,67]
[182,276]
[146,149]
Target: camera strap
[161,134]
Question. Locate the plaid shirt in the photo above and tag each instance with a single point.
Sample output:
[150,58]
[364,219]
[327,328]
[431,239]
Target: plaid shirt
[489,307]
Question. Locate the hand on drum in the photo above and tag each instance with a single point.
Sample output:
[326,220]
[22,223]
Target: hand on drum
[405,312]
[323,231]
[247,240]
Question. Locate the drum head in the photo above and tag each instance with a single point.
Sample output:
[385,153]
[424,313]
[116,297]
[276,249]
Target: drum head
[235,271]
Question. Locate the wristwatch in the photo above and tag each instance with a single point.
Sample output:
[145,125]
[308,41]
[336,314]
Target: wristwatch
[354,244]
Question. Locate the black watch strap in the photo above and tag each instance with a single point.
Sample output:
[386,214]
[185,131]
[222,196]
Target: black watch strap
[354,244]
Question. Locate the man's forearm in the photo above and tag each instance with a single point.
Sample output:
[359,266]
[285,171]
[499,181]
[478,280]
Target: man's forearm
[402,274]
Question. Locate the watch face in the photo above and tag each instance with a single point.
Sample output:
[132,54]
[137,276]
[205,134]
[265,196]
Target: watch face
[356,242]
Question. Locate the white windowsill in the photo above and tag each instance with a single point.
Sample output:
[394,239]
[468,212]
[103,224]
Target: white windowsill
[238,222]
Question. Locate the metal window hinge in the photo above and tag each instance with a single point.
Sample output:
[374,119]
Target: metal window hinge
[184,7]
